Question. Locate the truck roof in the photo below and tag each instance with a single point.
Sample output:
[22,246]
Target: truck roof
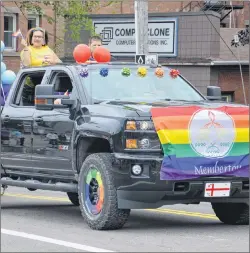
[116,63]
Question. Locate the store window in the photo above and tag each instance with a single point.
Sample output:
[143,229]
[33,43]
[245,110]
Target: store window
[9,29]
[227,96]
[33,21]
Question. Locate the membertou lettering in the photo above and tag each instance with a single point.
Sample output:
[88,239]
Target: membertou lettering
[125,32]
[203,170]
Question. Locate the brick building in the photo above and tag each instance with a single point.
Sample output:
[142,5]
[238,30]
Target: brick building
[240,13]
[201,43]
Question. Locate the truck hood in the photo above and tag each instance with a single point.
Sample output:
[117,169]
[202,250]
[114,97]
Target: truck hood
[144,109]
[212,143]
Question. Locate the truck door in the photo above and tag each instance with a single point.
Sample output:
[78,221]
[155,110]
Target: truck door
[16,123]
[53,130]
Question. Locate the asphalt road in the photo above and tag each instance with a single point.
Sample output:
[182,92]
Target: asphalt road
[44,221]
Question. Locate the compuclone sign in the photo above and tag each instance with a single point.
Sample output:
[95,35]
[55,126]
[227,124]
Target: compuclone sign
[119,37]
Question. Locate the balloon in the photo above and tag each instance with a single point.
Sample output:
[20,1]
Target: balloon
[81,53]
[3,67]
[8,77]
[101,54]
[1,101]
[2,46]
[6,90]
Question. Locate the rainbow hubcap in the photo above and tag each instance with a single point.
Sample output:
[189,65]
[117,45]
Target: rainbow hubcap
[94,191]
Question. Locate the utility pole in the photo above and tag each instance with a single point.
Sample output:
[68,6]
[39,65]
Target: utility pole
[1,34]
[249,49]
[55,23]
[141,26]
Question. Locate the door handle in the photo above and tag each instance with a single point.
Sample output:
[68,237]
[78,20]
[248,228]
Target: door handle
[6,119]
[39,119]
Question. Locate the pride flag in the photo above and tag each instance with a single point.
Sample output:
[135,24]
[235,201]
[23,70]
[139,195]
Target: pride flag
[199,141]
[17,34]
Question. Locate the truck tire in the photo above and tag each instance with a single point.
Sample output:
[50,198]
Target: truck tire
[232,213]
[31,189]
[73,197]
[97,194]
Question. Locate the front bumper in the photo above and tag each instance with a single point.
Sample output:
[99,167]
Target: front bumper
[148,191]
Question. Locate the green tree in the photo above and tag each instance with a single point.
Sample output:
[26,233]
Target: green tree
[76,12]
[243,36]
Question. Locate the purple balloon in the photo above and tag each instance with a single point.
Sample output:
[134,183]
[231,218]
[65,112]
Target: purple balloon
[5,89]
[2,100]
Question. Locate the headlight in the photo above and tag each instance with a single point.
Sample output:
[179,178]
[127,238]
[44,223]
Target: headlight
[131,144]
[144,143]
[141,135]
[139,125]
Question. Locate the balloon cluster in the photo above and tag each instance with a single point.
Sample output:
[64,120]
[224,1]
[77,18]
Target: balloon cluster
[7,78]
[82,54]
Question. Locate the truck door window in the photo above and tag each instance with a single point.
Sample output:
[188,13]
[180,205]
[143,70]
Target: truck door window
[62,83]
[26,89]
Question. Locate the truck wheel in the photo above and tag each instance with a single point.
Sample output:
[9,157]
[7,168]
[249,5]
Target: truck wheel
[97,194]
[31,189]
[232,213]
[73,197]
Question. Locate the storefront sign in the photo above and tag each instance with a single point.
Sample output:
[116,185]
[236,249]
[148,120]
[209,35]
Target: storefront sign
[119,37]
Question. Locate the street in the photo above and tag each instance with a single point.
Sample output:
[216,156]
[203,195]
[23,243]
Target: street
[44,221]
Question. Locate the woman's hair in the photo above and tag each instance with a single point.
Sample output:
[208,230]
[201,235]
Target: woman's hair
[31,32]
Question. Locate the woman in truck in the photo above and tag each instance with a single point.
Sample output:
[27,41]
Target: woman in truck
[36,51]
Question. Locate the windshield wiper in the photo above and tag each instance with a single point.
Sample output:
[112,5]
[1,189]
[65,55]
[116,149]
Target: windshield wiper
[115,101]
[181,100]
[119,101]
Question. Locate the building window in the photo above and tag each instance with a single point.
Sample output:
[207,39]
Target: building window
[227,96]
[9,29]
[33,21]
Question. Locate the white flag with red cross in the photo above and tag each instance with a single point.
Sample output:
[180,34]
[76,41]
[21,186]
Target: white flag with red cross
[217,189]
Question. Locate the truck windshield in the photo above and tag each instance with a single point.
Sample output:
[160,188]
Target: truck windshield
[115,86]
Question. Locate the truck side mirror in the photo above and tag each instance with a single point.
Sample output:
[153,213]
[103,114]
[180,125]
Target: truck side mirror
[214,93]
[45,97]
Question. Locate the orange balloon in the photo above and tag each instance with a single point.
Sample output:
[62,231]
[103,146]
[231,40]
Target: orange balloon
[102,54]
[81,53]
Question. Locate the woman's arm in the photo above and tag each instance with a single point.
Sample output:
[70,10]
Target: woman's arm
[58,101]
[26,57]
[56,59]
[25,54]
[53,59]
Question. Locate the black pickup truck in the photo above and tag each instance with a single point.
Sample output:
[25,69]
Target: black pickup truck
[101,144]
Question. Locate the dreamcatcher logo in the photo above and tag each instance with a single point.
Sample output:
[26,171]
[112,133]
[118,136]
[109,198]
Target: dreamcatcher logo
[211,133]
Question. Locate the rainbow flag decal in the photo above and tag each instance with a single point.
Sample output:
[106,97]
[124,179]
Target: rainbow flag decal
[17,34]
[200,142]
